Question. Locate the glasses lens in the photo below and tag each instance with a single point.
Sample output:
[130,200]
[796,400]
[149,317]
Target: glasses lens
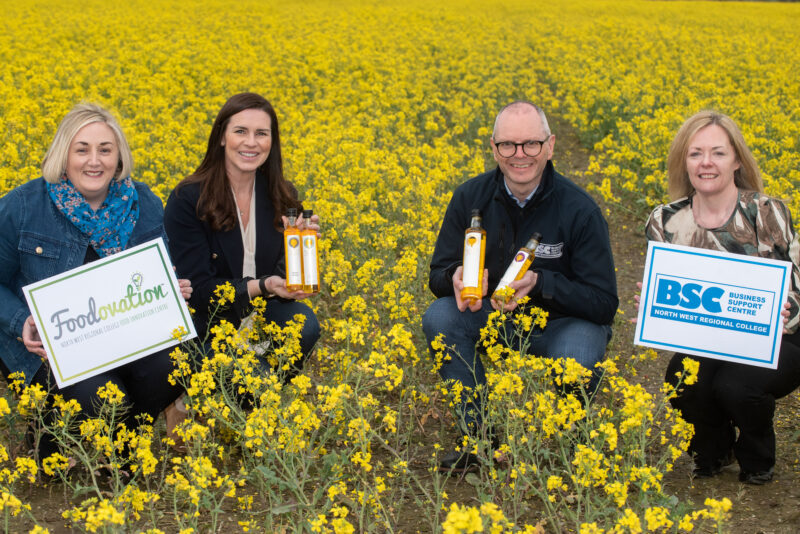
[506,149]
[532,148]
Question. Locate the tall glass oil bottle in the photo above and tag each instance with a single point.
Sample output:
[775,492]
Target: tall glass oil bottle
[519,266]
[310,257]
[474,254]
[293,253]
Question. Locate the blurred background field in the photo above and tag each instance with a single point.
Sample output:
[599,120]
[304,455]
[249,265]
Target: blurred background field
[384,107]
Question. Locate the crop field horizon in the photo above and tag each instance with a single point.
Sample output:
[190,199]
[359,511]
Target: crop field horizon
[384,108]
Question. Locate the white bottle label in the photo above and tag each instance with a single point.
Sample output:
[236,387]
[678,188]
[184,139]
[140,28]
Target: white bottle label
[294,261]
[513,269]
[310,260]
[472,259]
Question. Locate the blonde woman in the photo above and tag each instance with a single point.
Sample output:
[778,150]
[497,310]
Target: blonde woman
[720,205]
[84,207]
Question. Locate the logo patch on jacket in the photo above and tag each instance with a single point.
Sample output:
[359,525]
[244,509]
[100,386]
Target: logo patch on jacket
[545,250]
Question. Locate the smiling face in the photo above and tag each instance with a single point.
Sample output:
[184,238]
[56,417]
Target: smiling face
[518,124]
[92,162]
[711,161]
[247,141]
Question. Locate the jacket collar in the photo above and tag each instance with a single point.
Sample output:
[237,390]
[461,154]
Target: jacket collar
[542,192]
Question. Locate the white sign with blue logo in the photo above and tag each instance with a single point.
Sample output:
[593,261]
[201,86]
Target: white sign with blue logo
[713,304]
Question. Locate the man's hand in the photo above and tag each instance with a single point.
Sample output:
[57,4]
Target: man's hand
[785,313]
[521,288]
[458,285]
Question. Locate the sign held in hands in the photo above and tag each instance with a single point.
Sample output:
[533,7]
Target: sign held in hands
[714,304]
[109,312]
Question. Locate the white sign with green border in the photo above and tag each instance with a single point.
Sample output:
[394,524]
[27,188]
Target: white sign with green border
[109,312]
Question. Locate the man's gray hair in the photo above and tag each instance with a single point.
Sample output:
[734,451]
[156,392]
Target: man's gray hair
[523,103]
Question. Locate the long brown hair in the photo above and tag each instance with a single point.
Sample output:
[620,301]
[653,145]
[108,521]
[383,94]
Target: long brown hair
[216,204]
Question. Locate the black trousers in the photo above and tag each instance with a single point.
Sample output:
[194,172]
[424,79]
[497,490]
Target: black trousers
[728,396]
[144,383]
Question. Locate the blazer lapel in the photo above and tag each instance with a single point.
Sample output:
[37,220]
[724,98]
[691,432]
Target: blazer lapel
[264,230]
[232,249]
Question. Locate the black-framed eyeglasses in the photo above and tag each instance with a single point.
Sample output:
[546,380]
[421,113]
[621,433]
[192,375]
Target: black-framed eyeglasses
[530,148]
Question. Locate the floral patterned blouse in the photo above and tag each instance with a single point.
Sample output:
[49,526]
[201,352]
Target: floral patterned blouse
[759,226]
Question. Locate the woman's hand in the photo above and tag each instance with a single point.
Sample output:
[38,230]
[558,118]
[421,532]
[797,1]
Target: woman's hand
[786,310]
[186,288]
[31,339]
[277,286]
[312,223]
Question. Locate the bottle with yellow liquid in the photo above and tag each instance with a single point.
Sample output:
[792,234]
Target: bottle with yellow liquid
[310,257]
[519,266]
[474,253]
[293,253]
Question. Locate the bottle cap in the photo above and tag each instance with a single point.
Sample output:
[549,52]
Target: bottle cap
[536,236]
[291,212]
[476,212]
[307,214]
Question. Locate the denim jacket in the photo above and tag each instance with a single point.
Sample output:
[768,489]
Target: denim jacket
[36,242]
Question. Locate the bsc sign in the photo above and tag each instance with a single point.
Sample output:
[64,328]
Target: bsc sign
[714,304]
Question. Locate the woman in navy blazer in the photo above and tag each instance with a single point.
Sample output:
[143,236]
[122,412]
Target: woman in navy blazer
[224,221]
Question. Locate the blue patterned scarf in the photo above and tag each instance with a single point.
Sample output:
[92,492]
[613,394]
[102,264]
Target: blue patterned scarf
[111,225]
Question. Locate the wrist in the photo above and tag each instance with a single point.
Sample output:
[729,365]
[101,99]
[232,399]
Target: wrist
[262,286]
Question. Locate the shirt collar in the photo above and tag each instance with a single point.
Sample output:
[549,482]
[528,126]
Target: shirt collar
[520,203]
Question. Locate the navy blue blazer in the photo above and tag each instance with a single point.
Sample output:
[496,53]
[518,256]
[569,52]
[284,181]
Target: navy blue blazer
[209,258]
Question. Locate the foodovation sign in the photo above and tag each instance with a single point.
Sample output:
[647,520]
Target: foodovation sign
[109,312]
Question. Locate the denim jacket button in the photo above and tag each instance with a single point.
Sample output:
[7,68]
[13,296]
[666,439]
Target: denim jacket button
[19,339]
[213,255]
[39,250]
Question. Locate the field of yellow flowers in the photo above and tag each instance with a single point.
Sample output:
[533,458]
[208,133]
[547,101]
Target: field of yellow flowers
[384,108]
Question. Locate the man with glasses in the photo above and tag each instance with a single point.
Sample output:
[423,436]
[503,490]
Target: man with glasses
[572,276]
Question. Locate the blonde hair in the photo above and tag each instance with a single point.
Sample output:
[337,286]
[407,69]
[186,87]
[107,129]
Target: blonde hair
[55,160]
[747,176]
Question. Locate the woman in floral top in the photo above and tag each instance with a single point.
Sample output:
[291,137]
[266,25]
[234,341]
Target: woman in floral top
[721,206]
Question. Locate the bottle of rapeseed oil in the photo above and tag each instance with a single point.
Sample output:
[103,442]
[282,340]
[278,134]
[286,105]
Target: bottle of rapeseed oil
[310,256]
[474,252]
[519,266]
[293,254]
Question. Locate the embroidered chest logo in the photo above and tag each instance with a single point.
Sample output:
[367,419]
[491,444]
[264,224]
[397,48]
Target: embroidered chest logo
[545,250]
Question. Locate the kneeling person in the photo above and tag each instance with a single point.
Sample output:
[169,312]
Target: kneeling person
[572,276]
